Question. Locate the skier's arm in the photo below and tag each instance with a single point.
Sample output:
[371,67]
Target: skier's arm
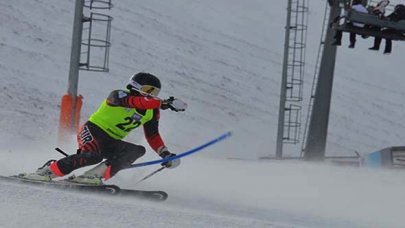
[123,99]
[151,130]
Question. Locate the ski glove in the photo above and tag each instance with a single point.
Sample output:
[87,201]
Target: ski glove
[174,104]
[170,164]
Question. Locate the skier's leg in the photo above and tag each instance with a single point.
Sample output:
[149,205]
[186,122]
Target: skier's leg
[88,153]
[68,164]
[124,155]
[121,156]
[94,148]
[64,166]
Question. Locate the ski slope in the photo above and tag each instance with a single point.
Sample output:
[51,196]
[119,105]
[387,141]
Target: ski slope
[224,58]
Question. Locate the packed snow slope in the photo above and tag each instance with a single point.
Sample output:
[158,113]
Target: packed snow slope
[224,58]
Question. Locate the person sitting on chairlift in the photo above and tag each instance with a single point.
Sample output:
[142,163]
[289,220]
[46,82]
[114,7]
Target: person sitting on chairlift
[356,6]
[397,15]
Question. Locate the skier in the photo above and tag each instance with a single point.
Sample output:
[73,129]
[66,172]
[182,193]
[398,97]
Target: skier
[101,137]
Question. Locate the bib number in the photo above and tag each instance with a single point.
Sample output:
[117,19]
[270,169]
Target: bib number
[128,125]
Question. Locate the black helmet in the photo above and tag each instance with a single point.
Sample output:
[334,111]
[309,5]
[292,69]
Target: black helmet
[144,84]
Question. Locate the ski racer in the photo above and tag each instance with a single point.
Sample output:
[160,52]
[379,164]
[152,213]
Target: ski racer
[101,137]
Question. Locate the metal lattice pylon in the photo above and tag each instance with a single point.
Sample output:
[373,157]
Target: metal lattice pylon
[291,94]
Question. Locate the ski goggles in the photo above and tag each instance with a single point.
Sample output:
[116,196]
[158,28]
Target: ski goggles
[145,90]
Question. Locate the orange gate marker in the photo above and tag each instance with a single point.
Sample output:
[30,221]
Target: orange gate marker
[67,124]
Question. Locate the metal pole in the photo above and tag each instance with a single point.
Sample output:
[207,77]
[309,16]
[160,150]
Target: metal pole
[151,174]
[318,127]
[75,56]
[280,131]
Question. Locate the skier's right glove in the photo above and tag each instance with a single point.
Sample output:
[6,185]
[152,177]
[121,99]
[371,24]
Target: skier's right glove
[169,164]
[173,104]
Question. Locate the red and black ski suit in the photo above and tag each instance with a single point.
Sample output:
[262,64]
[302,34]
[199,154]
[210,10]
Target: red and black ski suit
[95,144]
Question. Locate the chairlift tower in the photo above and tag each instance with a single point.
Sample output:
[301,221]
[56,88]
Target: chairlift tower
[289,123]
[319,118]
[89,51]
[315,146]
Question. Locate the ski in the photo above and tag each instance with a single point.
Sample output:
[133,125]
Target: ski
[108,189]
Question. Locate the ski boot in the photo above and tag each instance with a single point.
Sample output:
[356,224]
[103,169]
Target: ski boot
[91,177]
[42,174]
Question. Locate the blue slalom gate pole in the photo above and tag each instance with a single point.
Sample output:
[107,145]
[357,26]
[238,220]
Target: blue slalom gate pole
[192,151]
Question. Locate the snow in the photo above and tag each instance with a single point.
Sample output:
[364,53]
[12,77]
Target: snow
[224,58]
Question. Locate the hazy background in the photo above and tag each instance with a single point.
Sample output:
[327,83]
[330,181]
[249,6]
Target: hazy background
[224,58]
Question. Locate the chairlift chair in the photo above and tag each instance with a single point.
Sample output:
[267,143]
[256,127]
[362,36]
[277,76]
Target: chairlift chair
[375,26]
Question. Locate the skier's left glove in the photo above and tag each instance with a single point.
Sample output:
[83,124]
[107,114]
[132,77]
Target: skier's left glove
[169,164]
[174,104]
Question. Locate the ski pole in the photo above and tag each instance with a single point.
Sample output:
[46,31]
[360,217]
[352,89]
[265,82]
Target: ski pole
[151,174]
[192,151]
[61,151]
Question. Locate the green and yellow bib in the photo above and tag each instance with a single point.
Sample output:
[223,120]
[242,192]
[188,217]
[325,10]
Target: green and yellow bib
[118,121]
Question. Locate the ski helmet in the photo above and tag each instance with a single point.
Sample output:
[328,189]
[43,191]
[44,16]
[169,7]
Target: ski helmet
[144,84]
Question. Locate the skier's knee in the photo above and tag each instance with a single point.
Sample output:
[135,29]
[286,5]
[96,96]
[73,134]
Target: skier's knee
[135,152]
[140,151]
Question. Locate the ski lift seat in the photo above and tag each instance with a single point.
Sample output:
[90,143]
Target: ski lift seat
[375,26]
